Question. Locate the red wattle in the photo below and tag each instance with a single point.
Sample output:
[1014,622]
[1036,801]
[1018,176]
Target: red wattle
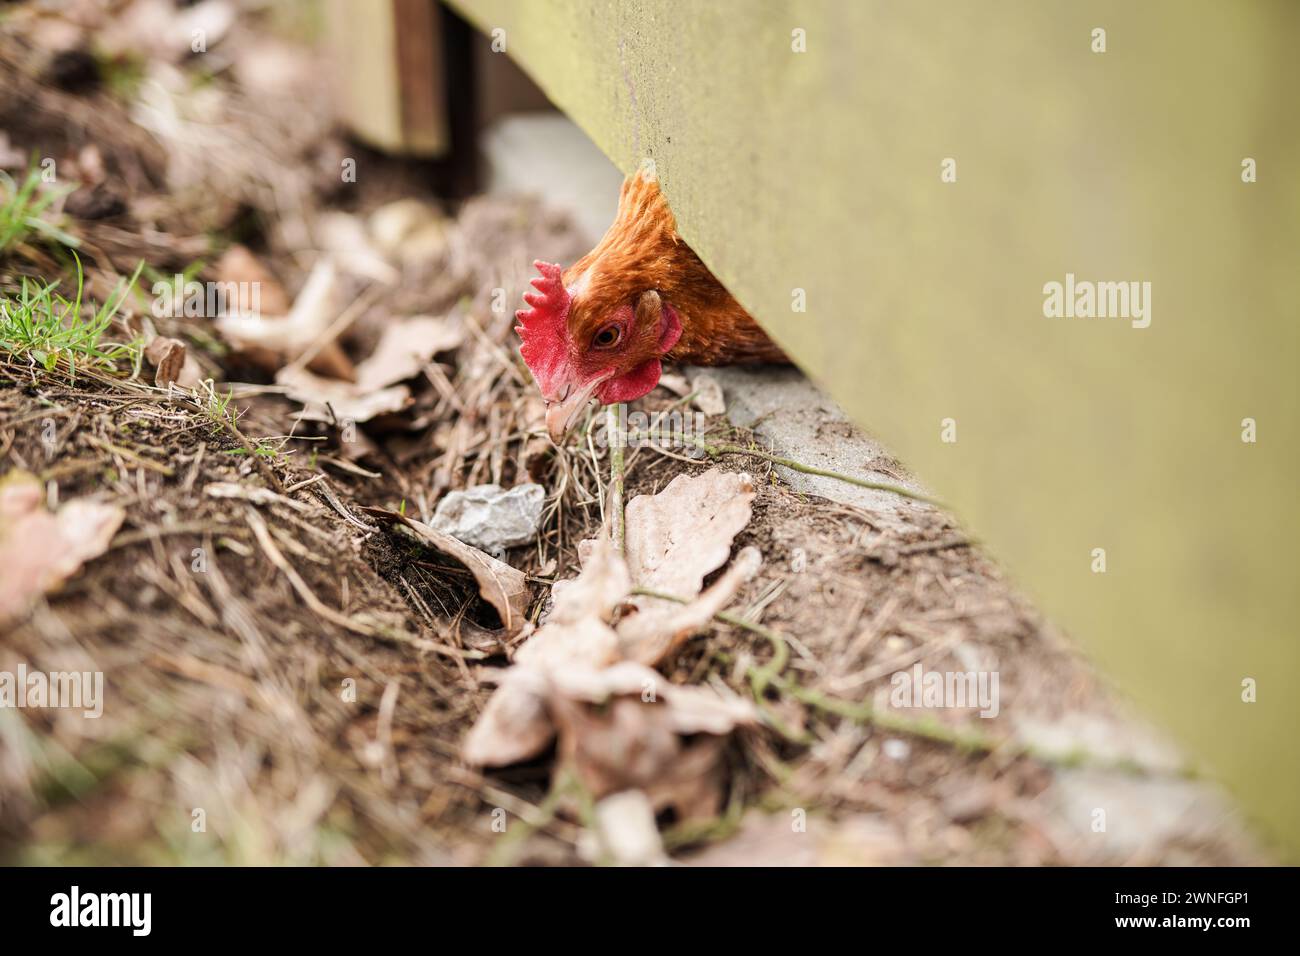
[636,383]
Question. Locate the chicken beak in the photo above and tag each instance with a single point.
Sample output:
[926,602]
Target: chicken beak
[562,414]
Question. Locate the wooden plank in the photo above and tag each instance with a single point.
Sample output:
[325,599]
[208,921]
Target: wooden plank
[389,65]
[822,171]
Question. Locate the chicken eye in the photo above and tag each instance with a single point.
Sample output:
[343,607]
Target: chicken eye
[607,337]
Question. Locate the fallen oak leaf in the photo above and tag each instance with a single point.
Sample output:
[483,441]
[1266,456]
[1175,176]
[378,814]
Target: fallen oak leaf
[273,341]
[172,363]
[347,240]
[673,541]
[600,587]
[39,550]
[502,586]
[401,352]
[693,710]
[627,728]
[405,346]
[676,538]
[515,724]
[238,265]
[661,625]
[329,399]
[409,230]
[577,657]
[584,680]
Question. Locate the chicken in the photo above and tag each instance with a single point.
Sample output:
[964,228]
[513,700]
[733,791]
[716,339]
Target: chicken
[601,329]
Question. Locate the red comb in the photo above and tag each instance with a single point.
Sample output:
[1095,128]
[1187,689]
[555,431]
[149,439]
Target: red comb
[543,326]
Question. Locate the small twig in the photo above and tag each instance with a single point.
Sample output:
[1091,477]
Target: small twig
[129,455]
[344,465]
[126,538]
[194,468]
[309,597]
[595,470]
[928,728]
[715,451]
[617,442]
[759,677]
[304,483]
[267,473]
[505,852]
[333,501]
[336,328]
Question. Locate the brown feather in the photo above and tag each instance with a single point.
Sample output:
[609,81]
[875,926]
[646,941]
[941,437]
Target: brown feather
[642,252]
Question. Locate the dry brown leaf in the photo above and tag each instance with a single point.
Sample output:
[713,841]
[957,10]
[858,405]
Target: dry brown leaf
[405,347]
[502,586]
[627,728]
[410,230]
[658,627]
[172,363]
[402,350]
[597,591]
[675,539]
[516,724]
[310,315]
[273,341]
[328,399]
[620,724]
[168,358]
[39,550]
[238,264]
[347,240]
[625,832]
[693,710]
[161,30]
[679,536]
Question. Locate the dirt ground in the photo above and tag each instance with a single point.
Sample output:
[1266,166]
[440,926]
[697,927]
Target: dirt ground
[305,675]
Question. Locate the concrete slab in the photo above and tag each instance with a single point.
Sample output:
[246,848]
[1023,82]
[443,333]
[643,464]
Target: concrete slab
[545,154]
[798,421]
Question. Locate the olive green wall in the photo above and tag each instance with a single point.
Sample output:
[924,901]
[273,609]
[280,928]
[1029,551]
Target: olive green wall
[821,171]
